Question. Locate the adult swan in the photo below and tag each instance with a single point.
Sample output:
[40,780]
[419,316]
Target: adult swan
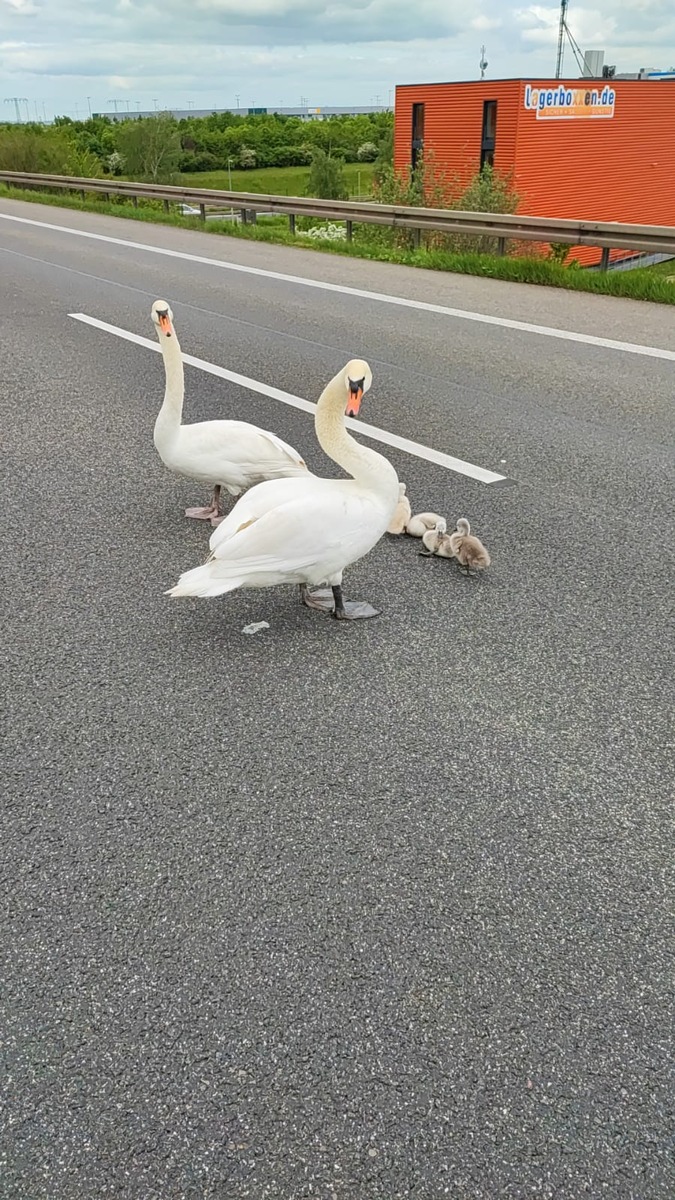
[229,454]
[306,531]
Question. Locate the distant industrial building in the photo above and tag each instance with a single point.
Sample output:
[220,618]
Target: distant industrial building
[304,113]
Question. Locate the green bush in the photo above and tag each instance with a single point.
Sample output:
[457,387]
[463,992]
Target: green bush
[326,177]
[37,149]
[151,148]
[292,156]
[197,160]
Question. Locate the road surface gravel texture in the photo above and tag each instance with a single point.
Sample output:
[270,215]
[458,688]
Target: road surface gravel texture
[348,912]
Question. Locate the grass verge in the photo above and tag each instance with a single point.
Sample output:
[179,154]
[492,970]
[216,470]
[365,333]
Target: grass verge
[279,181]
[640,284]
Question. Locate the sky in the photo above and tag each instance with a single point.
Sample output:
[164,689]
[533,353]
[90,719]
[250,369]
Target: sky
[67,56]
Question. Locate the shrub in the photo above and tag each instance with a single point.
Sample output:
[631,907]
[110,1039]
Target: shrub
[326,232]
[326,177]
[559,252]
[367,152]
[292,156]
[198,160]
[37,150]
[247,158]
[151,147]
[114,163]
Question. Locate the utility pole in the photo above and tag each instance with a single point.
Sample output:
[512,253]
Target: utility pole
[562,30]
[16,101]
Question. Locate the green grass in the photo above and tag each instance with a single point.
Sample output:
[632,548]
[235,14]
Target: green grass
[664,268]
[277,181]
[648,283]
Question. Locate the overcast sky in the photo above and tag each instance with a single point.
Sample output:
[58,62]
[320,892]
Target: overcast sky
[67,54]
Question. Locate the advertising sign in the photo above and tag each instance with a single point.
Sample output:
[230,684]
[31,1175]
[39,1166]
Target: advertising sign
[563,103]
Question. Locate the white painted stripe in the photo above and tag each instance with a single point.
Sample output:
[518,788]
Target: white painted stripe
[566,335]
[264,389]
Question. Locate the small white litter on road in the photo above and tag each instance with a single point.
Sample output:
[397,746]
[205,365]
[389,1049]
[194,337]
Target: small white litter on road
[256,626]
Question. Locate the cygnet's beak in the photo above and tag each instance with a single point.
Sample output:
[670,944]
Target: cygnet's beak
[355,397]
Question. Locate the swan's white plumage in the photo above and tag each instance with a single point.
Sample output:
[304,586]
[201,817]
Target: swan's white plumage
[232,454]
[304,530]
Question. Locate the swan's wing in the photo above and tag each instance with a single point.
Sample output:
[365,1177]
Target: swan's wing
[259,500]
[240,443]
[332,529]
[283,447]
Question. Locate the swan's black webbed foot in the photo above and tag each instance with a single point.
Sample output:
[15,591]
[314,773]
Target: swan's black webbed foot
[332,601]
[352,610]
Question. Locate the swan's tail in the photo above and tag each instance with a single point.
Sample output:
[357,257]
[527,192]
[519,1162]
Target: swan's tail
[202,581]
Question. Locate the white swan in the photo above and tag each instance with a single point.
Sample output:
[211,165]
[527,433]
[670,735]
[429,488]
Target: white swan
[306,531]
[229,454]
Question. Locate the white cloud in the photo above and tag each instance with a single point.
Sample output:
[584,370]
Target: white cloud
[23,8]
[274,51]
[483,24]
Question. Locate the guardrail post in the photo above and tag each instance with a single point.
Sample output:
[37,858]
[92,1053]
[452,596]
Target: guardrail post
[253,217]
[106,197]
[291,223]
[501,247]
[166,206]
[244,216]
[202,212]
[417,238]
[135,201]
[350,230]
[604,259]
[83,194]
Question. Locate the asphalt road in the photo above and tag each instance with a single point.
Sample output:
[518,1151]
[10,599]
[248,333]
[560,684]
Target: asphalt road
[348,912]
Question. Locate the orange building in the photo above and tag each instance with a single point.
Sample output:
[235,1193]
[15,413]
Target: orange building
[584,149]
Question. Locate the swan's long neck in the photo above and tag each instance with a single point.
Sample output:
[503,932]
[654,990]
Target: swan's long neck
[366,466]
[170,414]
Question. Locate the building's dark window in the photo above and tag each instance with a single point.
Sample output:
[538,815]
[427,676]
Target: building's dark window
[487,145]
[417,133]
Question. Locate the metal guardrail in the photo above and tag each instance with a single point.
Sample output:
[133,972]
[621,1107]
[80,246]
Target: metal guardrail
[606,236]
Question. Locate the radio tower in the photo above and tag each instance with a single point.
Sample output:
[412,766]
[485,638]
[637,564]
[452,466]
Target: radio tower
[562,29]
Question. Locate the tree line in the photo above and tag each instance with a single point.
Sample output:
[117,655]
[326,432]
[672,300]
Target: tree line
[158,147]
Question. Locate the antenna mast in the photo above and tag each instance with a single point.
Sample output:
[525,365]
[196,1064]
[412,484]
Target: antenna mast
[562,29]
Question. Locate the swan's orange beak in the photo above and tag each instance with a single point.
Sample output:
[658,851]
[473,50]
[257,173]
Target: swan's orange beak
[164,323]
[354,401]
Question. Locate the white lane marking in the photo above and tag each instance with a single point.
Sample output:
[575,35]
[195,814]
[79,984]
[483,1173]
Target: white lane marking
[378,435]
[565,335]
